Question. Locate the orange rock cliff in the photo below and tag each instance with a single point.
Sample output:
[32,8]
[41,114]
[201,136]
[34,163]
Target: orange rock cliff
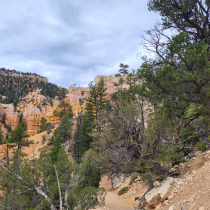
[32,113]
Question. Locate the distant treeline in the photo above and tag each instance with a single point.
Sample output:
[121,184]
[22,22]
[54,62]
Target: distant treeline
[15,88]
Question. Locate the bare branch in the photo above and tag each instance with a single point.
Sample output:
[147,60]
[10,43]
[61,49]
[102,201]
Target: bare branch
[59,189]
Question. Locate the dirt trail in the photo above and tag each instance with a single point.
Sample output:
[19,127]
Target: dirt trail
[113,201]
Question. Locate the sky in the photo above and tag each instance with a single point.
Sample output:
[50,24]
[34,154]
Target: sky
[73,41]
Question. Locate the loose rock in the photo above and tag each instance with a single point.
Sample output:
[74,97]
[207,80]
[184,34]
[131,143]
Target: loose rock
[159,194]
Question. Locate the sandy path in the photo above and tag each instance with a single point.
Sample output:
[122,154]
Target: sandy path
[114,201]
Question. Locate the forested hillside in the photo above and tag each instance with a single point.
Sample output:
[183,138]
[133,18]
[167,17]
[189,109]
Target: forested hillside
[14,88]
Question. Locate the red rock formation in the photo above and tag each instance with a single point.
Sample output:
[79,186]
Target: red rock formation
[33,111]
[110,83]
[11,116]
[75,93]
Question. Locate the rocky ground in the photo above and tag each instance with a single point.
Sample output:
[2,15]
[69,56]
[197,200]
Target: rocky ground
[191,188]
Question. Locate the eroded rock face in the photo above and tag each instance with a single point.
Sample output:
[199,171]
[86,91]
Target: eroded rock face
[159,194]
[110,83]
[32,116]
[76,93]
[33,110]
[51,117]
[11,116]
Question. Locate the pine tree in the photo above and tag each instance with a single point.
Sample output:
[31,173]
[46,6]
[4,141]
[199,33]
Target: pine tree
[1,137]
[82,136]
[89,170]
[64,130]
[62,133]
[61,97]
[48,185]
[96,103]
[55,148]
[124,69]
[101,89]
[18,136]
[79,145]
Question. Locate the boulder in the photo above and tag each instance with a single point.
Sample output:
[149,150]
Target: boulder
[159,194]
[117,179]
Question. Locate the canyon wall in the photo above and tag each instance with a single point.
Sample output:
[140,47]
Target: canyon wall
[77,93]
[11,116]
[33,110]
[110,83]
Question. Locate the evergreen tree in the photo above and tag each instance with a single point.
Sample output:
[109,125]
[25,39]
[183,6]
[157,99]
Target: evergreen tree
[89,170]
[64,129]
[190,16]
[79,145]
[86,123]
[55,148]
[61,134]
[44,125]
[48,185]
[18,136]
[82,136]
[123,69]
[1,137]
[96,103]
[101,89]
[61,97]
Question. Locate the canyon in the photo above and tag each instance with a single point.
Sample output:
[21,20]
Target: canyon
[34,106]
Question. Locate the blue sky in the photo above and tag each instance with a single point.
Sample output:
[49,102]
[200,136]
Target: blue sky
[71,42]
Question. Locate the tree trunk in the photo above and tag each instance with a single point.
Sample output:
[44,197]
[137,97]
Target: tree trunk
[59,189]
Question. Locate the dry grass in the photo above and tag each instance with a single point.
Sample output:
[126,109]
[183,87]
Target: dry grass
[198,163]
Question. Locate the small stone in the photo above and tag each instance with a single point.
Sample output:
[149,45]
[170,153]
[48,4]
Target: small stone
[171,208]
[172,170]
[180,182]
[182,165]
[201,208]
[156,184]
[170,197]
[176,166]
[190,199]
[159,207]
[166,202]
[198,153]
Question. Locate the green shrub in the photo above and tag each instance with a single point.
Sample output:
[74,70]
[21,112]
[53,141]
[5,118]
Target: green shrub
[134,176]
[44,125]
[136,198]
[123,190]
[201,146]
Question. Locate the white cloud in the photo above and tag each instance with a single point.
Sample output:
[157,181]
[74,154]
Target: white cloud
[71,42]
